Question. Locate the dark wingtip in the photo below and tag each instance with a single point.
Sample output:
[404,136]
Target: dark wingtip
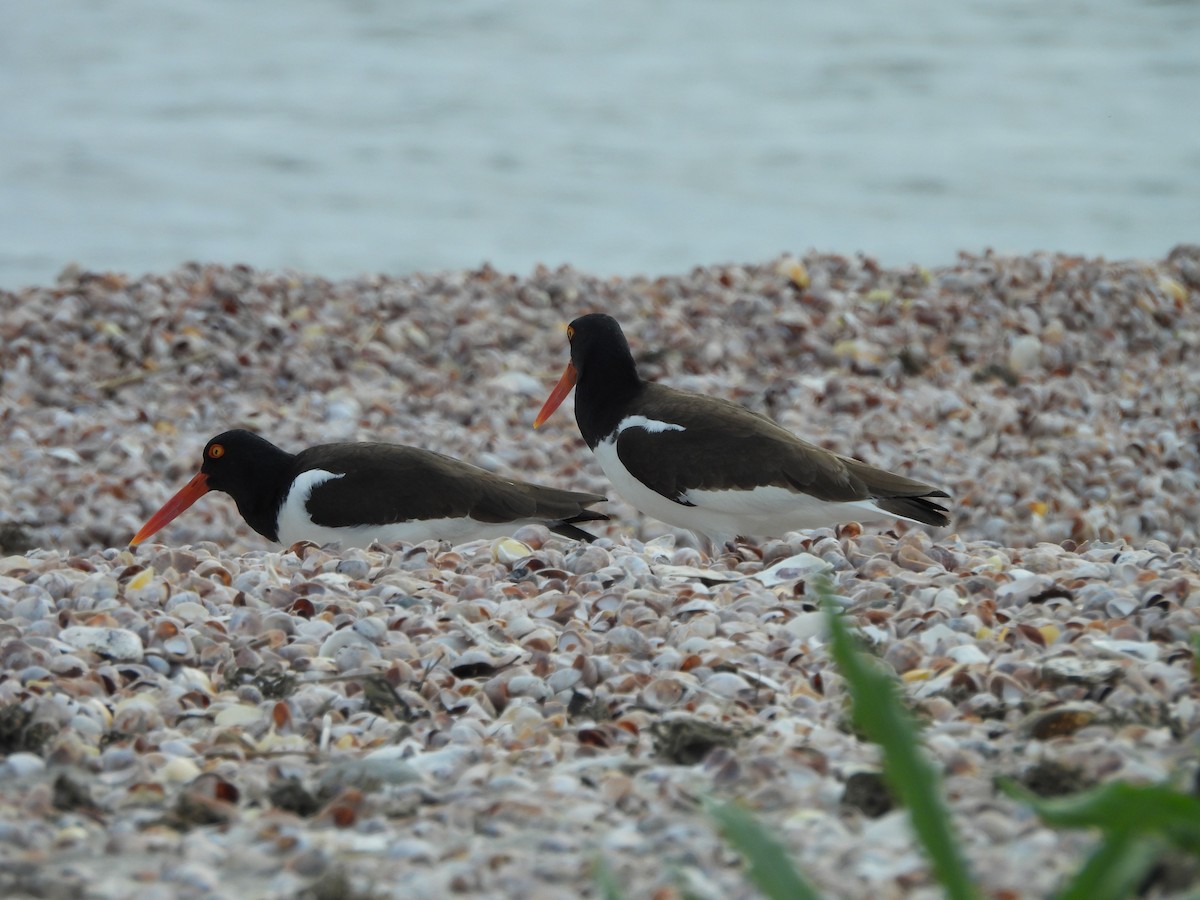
[566,529]
[922,509]
[570,531]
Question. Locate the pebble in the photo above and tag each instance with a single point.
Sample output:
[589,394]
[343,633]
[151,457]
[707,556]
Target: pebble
[237,715]
[110,643]
[21,765]
[179,770]
[345,638]
[1076,670]
[808,625]
[1024,354]
[510,551]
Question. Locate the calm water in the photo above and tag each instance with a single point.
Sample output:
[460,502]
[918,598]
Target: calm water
[623,137]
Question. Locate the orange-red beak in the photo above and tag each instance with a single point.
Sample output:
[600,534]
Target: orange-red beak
[188,494]
[558,395]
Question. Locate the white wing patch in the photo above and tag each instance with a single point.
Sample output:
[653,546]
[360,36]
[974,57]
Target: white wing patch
[294,521]
[654,426]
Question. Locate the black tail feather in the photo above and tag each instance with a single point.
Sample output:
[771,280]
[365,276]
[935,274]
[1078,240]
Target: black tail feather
[566,529]
[923,509]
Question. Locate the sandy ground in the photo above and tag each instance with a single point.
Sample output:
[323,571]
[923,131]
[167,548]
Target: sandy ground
[211,716]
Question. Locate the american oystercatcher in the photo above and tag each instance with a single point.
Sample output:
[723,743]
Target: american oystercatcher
[356,493]
[712,466]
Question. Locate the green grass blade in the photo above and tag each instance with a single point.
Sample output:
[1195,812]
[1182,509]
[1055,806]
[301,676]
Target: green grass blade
[767,861]
[1114,870]
[1145,809]
[606,879]
[882,717]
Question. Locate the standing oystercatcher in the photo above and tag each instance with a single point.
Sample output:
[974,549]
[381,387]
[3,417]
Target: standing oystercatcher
[357,493]
[712,466]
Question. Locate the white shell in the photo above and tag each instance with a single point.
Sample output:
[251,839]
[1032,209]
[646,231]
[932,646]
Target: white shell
[114,643]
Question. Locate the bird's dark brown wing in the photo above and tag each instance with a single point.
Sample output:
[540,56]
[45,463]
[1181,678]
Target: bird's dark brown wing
[724,446]
[395,483]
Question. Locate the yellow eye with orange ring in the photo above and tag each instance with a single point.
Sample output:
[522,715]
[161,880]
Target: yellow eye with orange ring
[216,451]
[570,333]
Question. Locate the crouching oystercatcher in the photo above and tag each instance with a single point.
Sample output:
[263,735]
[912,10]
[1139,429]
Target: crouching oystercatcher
[711,466]
[356,493]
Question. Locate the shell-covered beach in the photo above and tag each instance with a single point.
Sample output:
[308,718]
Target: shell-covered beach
[209,715]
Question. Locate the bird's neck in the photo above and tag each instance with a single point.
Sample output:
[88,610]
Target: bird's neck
[602,398]
[261,490]
[261,512]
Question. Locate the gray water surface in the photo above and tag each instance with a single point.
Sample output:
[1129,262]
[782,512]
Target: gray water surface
[621,137]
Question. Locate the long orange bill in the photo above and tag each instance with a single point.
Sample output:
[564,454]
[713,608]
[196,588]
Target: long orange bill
[188,494]
[558,395]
